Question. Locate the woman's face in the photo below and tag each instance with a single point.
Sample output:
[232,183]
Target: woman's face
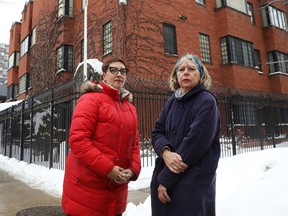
[188,75]
[118,80]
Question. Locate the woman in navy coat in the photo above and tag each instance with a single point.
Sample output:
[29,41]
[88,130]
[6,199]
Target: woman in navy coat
[186,141]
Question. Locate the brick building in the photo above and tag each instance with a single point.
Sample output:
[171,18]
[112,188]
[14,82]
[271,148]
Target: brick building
[243,43]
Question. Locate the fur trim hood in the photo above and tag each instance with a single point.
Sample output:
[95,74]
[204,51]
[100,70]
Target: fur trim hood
[88,86]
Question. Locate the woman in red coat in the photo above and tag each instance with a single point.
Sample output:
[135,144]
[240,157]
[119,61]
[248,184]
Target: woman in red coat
[105,150]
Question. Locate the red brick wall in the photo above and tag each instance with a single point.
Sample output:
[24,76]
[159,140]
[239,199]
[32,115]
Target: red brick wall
[26,20]
[279,83]
[15,34]
[12,76]
[14,46]
[138,38]
[24,65]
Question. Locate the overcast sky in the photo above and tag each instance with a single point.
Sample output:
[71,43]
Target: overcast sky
[10,11]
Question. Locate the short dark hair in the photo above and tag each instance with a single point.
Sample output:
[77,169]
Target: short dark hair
[106,65]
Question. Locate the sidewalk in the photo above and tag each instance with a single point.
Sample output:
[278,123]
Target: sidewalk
[16,196]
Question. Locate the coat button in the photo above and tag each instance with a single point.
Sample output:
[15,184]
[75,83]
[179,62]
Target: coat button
[174,132]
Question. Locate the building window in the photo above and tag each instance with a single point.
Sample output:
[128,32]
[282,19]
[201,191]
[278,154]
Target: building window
[224,51]
[24,83]
[65,58]
[200,2]
[274,17]
[14,60]
[25,46]
[205,48]
[170,45]
[250,12]
[12,92]
[33,37]
[65,8]
[239,5]
[278,62]
[107,38]
[257,60]
[236,51]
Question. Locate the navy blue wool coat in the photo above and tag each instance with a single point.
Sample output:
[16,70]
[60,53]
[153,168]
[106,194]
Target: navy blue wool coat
[189,126]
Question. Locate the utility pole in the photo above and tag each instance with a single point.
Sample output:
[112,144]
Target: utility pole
[85,40]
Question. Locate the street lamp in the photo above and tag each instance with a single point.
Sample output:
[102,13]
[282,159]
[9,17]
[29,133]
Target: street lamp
[85,39]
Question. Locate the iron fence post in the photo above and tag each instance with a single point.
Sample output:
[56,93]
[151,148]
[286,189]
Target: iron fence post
[22,132]
[231,119]
[273,121]
[259,126]
[6,132]
[51,129]
[10,141]
[31,128]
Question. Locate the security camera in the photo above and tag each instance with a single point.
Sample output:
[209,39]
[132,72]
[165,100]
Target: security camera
[182,17]
[123,2]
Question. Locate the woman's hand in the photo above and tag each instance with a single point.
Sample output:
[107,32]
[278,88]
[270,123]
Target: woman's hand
[125,176]
[114,173]
[174,161]
[163,195]
[120,175]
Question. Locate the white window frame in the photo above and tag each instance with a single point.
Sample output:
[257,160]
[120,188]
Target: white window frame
[239,5]
[278,60]
[170,40]
[200,2]
[250,12]
[64,58]
[23,84]
[14,60]
[24,46]
[237,51]
[275,17]
[107,38]
[33,37]
[205,48]
[65,8]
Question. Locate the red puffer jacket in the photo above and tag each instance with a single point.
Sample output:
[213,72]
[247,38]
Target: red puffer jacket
[103,134]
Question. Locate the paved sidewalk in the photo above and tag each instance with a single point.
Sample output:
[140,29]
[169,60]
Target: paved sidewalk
[16,196]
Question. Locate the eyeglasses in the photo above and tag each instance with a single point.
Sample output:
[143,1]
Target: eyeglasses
[115,71]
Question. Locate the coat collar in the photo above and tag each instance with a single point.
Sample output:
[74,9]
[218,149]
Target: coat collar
[194,91]
[115,93]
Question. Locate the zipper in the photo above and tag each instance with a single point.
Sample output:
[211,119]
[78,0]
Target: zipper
[120,104]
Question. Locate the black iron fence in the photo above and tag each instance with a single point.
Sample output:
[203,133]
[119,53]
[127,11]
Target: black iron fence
[37,129]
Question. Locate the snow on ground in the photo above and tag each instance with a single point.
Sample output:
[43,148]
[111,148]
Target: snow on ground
[250,184]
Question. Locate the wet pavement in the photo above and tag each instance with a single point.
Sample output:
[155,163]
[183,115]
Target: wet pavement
[17,197]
